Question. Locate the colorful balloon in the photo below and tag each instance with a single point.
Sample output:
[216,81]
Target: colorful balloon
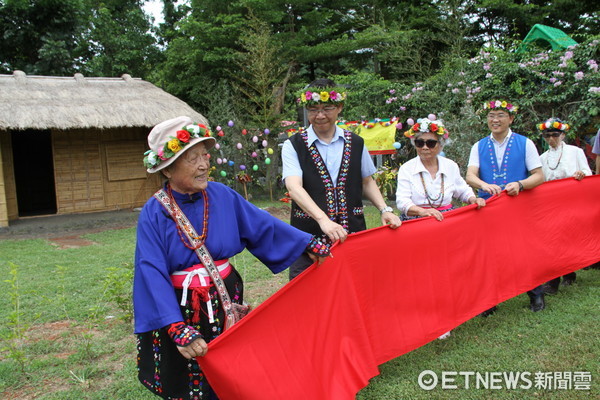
[219,161]
[267,161]
[267,131]
[432,117]
[230,123]
[231,163]
[254,155]
[218,127]
[239,146]
[221,133]
[270,150]
[399,125]
[410,121]
[217,146]
[265,143]
[223,173]
[242,167]
[397,145]
[254,139]
[244,132]
[255,167]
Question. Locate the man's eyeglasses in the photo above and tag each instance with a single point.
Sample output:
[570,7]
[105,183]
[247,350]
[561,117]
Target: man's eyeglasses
[326,110]
[551,134]
[497,116]
[431,143]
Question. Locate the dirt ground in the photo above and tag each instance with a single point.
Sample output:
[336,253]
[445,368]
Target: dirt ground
[65,230]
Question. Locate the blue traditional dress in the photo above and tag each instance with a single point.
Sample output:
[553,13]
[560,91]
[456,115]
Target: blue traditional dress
[233,225]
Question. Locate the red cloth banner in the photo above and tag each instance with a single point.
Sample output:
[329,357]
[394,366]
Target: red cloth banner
[386,292]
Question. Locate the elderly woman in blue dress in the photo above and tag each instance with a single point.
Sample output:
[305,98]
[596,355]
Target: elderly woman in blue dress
[428,183]
[561,161]
[186,292]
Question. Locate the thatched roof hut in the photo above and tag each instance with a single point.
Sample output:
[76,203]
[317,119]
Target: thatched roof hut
[77,102]
[75,144]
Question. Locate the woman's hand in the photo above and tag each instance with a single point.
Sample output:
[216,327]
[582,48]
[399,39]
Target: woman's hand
[198,348]
[431,212]
[477,200]
[579,175]
[317,259]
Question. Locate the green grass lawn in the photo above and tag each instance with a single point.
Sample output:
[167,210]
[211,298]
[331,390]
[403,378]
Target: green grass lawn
[64,333]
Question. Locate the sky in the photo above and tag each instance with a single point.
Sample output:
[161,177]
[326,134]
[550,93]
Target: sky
[154,8]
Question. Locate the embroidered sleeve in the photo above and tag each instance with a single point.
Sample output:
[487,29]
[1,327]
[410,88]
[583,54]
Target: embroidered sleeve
[318,247]
[181,334]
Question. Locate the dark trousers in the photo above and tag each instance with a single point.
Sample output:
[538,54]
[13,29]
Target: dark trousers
[300,265]
[554,283]
[536,291]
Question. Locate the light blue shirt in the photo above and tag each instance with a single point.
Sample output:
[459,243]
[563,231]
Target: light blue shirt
[330,152]
[596,148]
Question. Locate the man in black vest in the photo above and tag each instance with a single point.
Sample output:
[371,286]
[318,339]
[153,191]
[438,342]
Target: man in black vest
[327,170]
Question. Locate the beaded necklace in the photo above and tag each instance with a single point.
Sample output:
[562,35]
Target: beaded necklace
[432,200]
[559,158]
[198,239]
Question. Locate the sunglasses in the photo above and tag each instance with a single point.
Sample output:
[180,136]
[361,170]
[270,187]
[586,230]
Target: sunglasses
[431,143]
[553,134]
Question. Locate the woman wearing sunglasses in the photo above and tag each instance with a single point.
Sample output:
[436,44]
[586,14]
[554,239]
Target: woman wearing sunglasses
[428,183]
[560,161]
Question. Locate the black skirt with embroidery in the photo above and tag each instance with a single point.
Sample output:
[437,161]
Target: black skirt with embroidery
[163,370]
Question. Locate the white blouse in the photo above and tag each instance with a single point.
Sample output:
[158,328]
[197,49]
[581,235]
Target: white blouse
[410,190]
[563,162]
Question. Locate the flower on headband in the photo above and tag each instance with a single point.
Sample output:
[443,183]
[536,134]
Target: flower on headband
[175,144]
[330,96]
[425,125]
[553,124]
[500,105]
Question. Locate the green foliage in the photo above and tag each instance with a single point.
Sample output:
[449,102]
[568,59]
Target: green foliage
[40,36]
[118,40]
[118,289]
[13,332]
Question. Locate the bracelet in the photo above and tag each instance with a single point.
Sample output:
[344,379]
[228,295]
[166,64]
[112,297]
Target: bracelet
[521,188]
[182,334]
[319,248]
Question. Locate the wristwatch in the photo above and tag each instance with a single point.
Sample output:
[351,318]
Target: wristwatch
[386,209]
[521,188]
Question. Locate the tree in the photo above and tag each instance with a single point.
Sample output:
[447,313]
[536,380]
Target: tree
[119,39]
[41,36]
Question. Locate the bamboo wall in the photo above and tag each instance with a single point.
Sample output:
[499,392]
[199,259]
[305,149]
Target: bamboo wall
[97,170]
[8,189]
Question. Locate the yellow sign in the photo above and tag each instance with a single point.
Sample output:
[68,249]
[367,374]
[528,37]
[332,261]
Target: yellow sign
[379,136]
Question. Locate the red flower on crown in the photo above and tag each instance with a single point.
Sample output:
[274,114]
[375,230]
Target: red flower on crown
[183,136]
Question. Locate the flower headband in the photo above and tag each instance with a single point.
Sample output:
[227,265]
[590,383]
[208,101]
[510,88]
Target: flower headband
[425,125]
[553,124]
[330,96]
[175,144]
[500,105]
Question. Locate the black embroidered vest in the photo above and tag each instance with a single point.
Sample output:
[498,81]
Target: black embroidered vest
[343,204]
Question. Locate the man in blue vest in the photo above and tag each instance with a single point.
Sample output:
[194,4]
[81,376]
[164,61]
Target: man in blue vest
[505,160]
[327,170]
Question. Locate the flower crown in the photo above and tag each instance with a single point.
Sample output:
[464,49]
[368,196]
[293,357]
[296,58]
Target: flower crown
[320,96]
[500,105]
[175,144]
[553,124]
[425,125]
